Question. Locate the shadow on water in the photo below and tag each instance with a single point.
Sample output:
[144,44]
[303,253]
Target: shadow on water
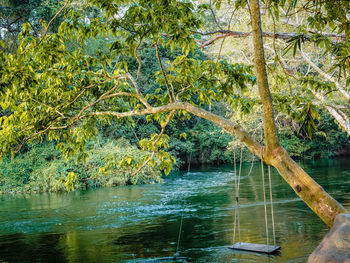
[141,223]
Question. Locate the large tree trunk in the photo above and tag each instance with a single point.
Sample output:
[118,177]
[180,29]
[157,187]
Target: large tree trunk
[306,188]
[309,191]
[326,207]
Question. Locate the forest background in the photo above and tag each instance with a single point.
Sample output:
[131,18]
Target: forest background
[309,131]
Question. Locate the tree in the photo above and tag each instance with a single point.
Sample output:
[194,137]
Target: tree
[302,26]
[51,87]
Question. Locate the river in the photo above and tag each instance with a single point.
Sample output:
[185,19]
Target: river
[141,223]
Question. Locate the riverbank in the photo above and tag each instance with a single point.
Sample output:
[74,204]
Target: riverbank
[43,169]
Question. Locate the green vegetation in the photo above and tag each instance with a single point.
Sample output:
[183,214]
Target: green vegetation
[329,141]
[42,169]
[141,70]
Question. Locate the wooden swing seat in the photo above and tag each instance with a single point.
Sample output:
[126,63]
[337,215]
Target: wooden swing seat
[173,259]
[258,248]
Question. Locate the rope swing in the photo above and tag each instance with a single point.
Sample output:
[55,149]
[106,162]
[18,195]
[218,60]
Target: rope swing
[237,184]
[260,248]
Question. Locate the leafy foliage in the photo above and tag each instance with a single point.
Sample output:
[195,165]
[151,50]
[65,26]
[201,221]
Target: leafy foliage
[94,74]
[42,169]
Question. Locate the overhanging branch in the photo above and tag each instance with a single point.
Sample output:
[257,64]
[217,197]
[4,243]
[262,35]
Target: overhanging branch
[282,35]
[229,126]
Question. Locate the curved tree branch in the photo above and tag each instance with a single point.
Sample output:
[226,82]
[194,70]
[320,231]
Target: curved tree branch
[326,76]
[226,124]
[163,73]
[240,34]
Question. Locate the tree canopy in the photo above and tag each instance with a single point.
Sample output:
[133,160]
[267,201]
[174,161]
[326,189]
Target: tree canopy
[52,87]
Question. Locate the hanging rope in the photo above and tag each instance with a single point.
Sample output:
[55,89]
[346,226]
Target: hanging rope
[235,218]
[251,166]
[237,194]
[237,185]
[179,236]
[237,181]
[240,171]
[272,214]
[265,207]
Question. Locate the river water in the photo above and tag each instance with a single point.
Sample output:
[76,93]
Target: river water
[141,223]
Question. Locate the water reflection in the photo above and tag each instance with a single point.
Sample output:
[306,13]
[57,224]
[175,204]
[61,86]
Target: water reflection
[139,223]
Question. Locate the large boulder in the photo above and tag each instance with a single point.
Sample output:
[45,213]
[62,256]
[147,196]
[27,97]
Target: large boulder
[335,246]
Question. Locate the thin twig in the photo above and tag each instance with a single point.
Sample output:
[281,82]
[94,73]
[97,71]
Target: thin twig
[48,25]
[214,16]
[154,144]
[223,40]
[138,59]
[181,92]
[163,73]
[91,86]
[240,34]
[137,88]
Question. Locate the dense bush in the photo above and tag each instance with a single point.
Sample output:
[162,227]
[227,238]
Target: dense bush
[42,169]
[327,141]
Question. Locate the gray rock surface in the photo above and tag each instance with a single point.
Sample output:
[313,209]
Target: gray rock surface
[335,246]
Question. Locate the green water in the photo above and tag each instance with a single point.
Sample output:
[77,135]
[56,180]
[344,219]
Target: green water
[141,223]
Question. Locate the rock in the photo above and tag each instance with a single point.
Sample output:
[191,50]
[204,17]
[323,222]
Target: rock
[335,246]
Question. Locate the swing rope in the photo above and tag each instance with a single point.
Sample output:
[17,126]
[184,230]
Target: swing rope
[237,181]
[235,218]
[237,184]
[265,207]
[179,236]
[251,166]
[272,214]
[237,195]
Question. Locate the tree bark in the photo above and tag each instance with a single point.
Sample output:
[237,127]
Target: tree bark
[261,76]
[308,190]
